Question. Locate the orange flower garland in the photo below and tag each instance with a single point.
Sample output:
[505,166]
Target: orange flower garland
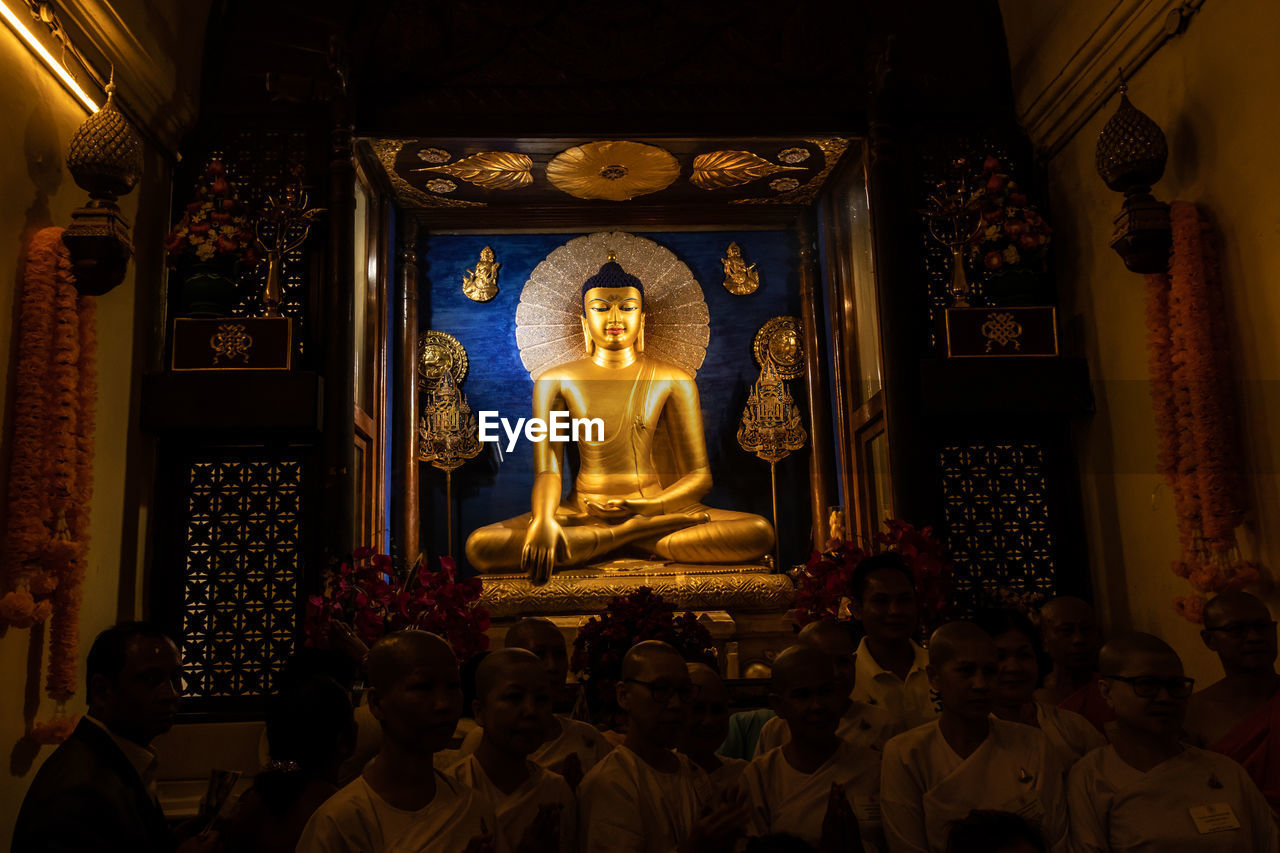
[46,540]
[1195,426]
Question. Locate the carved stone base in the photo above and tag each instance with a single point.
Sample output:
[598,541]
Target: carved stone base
[734,588]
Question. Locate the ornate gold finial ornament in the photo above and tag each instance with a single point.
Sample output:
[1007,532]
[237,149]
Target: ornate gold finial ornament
[104,157]
[740,278]
[677,324]
[780,341]
[282,227]
[612,170]
[481,283]
[771,426]
[440,352]
[448,435]
[232,341]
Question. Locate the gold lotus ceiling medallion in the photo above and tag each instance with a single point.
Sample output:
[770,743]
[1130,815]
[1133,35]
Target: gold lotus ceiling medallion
[718,170]
[612,170]
[490,170]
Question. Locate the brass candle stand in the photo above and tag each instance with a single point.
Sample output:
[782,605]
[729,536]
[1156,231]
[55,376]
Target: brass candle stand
[276,233]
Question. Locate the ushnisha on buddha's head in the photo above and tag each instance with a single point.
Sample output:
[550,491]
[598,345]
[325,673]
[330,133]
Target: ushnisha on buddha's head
[1142,680]
[613,310]
[414,690]
[962,669]
[513,700]
[806,693]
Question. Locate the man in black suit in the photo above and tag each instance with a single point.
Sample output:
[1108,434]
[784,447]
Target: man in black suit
[96,793]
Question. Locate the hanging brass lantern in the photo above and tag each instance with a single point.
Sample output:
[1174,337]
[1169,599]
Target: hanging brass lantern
[1130,158]
[104,158]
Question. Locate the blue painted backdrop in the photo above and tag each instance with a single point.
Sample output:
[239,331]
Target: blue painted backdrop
[490,489]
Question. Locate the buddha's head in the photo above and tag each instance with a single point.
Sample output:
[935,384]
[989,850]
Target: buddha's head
[613,309]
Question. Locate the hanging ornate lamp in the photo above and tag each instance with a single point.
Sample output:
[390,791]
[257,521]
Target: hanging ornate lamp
[105,158]
[1130,158]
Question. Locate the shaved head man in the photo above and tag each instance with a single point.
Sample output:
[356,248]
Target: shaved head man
[1147,790]
[708,726]
[568,747]
[1069,635]
[935,774]
[643,796]
[400,800]
[861,722]
[816,786]
[1239,715]
[513,703]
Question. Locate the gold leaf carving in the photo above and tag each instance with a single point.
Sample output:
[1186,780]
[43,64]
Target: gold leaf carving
[717,170]
[492,170]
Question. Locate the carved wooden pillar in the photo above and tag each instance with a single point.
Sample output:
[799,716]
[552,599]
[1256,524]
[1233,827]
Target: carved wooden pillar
[339,362]
[405,524]
[821,467]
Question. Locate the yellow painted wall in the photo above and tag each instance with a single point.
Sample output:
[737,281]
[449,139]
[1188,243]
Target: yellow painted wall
[39,119]
[1213,90]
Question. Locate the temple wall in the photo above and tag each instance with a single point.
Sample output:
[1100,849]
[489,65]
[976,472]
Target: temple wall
[1212,90]
[40,118]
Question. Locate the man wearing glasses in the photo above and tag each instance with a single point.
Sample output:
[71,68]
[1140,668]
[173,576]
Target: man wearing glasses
[1239,715]
[1147,791]
[644,797]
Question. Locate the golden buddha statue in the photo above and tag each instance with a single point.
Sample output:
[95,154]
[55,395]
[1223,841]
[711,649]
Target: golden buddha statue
[640,487]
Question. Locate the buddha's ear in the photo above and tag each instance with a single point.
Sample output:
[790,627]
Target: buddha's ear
[586,335]
[640,337]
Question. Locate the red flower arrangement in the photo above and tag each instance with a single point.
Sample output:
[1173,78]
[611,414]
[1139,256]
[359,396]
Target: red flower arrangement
[1012,232]
[368,594]
[214,226]
[602,643]
[825,586]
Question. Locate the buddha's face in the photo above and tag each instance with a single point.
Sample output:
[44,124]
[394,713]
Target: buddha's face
[613,316]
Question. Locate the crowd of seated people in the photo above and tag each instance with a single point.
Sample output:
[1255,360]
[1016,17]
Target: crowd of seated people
[883,745]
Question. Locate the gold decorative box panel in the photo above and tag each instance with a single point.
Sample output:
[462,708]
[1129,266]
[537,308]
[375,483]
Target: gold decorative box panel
[1002,331]
[232,343]
[733,588]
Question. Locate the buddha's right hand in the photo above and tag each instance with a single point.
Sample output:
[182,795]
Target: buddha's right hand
[538,557]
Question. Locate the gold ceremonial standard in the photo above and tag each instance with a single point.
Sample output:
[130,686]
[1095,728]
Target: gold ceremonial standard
[641,486]
[770,426]
[447,434]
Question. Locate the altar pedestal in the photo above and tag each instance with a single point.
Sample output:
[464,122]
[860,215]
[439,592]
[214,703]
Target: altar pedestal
[745,607]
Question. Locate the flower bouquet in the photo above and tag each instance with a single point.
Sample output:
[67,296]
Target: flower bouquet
[368,595]
[824,587]
[602,643]
[211,242]
[1012,240]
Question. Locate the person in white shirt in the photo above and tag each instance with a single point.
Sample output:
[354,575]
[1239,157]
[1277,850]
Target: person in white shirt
[643,797]
[569,747]
[817,786]
[1013,694]
[861,723]
[939,772]
[890,664]
[400,802]
[1148,791]
[708,725]
[535,807]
